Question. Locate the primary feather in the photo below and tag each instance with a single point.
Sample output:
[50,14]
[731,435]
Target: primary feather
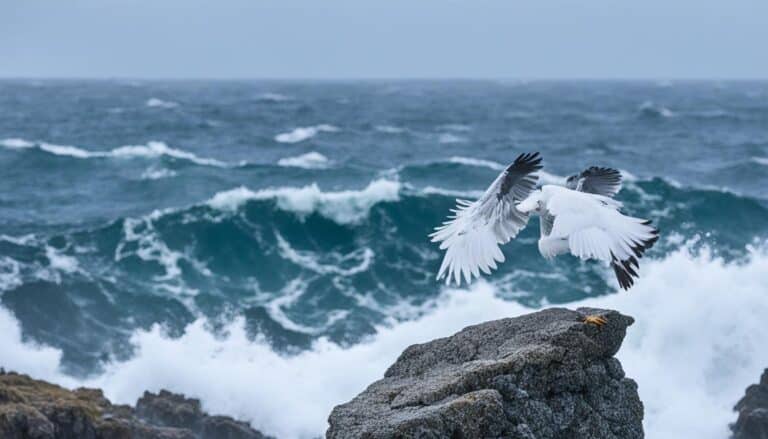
[472,235]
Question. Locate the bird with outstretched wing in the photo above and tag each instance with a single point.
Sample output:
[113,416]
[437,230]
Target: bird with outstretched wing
[580,218]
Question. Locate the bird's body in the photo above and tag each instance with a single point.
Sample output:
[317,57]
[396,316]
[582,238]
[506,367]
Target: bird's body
[581,219]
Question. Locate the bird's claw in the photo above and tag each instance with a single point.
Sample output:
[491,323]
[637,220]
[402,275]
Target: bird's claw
[595,320]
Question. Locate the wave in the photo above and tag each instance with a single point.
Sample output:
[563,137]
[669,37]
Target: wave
[653,110]
[155,149]
[16,143]
[760,160]
[389,129]
[344,207]
[303,133]
[159,103]
[153,173]
[152,149]
[310,160]
[302,263]
[432,190]
[469,161]
[693,350]
[273,97]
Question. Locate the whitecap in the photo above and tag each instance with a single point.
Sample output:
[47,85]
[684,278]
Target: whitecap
[760,160]
[274,97]
[159,103]
[66,150]
[152,149]
[389,129]
[303,133]
[310,160]
[651,109]
[153,173]
[17,143]
[348,206]
[61,262]
[469,161]
[156,149]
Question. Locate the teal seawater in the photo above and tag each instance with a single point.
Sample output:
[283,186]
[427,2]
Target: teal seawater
[305,206]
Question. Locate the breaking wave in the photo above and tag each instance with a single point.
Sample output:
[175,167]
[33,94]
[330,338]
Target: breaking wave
[274,97]
[346,206]
[303,133]
[152,149]
[697,342]
[310,160]
[159,103]
[652,110]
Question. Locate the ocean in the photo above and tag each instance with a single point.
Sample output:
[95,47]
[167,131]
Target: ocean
[262,245]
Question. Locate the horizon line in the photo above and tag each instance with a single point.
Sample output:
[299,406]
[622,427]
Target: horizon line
[375,78]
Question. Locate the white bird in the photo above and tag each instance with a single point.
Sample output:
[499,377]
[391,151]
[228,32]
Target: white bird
[580,218]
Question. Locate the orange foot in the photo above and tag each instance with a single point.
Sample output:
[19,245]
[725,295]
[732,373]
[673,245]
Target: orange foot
[595,320]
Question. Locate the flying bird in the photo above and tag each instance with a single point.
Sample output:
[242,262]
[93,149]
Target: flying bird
[580,218]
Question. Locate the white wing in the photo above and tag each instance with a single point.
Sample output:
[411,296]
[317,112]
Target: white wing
[595,229]
[472,235]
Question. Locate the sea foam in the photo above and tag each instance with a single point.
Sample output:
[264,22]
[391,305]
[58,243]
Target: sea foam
[16,143]
[346,206]
[303,133]
[698,341]
[151,149]
[310,160]
[159,103]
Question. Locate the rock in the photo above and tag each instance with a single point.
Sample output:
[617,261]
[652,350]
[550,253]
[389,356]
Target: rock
[541,375]
[174,410]
[753,412]
[33,409]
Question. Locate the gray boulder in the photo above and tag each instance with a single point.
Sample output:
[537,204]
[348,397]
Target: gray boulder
[541,375]
[753,412]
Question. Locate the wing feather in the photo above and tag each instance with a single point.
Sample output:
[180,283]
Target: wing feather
[596,180]
[597,230]
[472,235]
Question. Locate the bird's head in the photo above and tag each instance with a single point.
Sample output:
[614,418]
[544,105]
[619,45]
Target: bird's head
[531,203]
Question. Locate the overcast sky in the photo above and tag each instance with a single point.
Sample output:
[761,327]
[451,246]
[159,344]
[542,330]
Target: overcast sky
[384,39]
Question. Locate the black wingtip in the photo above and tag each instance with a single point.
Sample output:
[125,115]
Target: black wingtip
[625,270]
[531,161]
[625,279]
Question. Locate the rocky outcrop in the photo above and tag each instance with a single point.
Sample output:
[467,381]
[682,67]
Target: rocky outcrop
[32,409]
[542,375]
[753,412]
